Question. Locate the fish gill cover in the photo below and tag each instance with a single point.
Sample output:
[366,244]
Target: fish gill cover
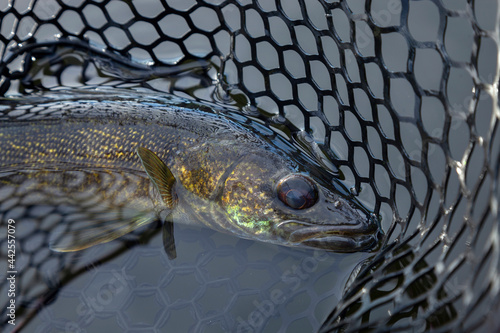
[400,96]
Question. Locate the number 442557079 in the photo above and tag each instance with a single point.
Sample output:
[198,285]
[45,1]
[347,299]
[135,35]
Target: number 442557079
[11,243]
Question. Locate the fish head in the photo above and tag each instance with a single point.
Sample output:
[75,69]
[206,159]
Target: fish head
[265,197]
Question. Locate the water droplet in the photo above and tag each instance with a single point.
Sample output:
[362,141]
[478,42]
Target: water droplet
[221,95]
[306,136]
[354,191]
[250,110]
[278,119]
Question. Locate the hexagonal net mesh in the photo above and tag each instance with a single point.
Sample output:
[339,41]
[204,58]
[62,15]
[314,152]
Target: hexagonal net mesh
[400,95]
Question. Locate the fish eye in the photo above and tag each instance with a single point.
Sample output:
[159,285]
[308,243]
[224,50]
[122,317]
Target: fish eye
[297,192]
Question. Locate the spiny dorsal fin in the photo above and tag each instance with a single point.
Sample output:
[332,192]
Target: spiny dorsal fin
[160,175]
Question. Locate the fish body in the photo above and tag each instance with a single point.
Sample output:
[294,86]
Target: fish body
[220,175]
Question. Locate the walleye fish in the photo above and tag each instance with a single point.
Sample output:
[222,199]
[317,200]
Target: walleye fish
[118,165]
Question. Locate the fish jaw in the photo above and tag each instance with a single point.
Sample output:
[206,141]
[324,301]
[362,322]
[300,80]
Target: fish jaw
[359,235]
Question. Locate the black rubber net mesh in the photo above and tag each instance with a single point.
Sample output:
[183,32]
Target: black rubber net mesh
[400,95]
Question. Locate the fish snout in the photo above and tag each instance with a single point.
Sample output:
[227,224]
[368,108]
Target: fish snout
[360,234]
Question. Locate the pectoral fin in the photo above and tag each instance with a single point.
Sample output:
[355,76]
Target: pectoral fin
[160,175]
[168,239]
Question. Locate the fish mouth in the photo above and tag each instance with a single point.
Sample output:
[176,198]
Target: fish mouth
[333,237]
